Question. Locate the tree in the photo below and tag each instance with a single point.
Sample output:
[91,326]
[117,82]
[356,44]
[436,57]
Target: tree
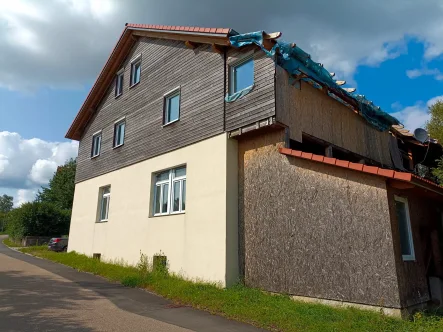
[60,190]
[6,203]
[435,129]
[38,219]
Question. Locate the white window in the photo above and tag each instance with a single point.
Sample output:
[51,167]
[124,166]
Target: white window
[171,107]
[241,75]
[404,225]
[96,144]
[105,194]
[136,68]
[119,84]
[170,191]
[119,132]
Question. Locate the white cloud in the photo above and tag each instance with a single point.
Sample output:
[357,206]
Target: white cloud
[27,164]
[414,116]
[64,43]
[414,73]
[24,196]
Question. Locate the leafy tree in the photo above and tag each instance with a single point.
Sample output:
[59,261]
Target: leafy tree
[38,219]
[60,190]
[435,129]
[6,203]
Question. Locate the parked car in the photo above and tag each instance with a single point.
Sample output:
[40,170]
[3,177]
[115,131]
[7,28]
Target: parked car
[58,244]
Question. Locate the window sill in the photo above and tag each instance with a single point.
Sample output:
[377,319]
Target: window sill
[118,95]
[135,84]
[408,259]
[93,157]
[169,123]
[167,214]
[117,146]
[101,222]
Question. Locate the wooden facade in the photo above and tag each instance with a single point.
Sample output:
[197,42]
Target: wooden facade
[311,111]
[259,104]
[426,218]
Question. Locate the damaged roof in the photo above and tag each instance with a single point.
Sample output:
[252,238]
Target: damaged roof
[294,60]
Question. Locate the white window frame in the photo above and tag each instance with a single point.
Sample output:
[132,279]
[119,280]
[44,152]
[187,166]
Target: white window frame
[166,97]
[410,257]
[102,197]
[117,123]
[119,83]
[136,61]
[170,181]
[98,133]
[232,68]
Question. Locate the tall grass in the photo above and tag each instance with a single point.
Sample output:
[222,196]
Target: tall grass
[272,312]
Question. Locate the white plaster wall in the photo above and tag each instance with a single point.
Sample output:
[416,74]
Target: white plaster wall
[195,242]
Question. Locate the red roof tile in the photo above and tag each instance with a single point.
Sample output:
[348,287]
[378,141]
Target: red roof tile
[389,173]
[222,31]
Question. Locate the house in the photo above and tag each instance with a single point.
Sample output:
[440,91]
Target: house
[238,157]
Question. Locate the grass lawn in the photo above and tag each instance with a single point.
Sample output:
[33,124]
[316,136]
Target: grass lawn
[272,312]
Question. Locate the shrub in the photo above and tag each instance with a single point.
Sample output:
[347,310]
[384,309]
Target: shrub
[38,219]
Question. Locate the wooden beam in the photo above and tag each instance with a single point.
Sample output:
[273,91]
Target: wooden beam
[217,48]
[218,40]
[328,151]
[272,35]
[400,185]
[190,44]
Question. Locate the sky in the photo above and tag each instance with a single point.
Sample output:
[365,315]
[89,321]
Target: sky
[51,52]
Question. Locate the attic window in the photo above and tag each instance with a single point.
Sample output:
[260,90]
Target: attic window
[241,75]
[171,112]
[136,68]
[96,144]
[119,84]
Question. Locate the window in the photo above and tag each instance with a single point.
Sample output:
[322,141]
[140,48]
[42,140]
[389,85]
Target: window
[241,75]
[105,194]
[172,107]
[136,68]
[404,225]
[119,133]
[170,191]
[119,84]
[96,143]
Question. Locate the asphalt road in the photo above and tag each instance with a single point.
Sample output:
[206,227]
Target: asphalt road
[39,295]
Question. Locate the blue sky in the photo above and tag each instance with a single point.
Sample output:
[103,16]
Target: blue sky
[53,50]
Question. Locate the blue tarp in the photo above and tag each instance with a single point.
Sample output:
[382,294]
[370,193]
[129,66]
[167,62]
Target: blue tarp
[296,61]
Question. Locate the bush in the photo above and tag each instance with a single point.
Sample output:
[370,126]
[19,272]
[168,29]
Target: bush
[38,219]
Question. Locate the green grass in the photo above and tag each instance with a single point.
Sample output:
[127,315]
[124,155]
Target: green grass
[10,243]
[3,233]
[272,312]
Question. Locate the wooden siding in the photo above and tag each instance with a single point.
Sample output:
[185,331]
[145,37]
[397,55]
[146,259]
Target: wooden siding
[259,104]
[309,110]
[425,216]
[314,230]
[166,65]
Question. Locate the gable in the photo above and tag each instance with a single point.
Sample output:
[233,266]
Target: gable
[132,32]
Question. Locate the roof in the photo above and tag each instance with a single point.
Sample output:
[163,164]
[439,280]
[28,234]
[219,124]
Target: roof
[223,31]
[219,36]
[383,172]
